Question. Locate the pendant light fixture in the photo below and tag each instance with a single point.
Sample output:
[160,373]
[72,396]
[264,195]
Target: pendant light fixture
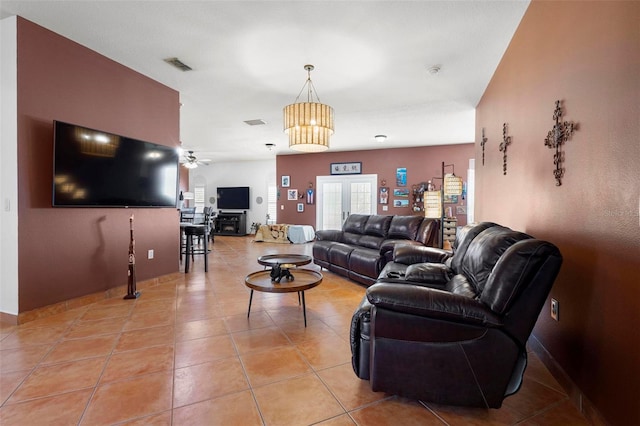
[309,124]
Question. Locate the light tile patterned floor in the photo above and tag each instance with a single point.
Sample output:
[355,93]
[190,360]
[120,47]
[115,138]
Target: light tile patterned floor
[184,353]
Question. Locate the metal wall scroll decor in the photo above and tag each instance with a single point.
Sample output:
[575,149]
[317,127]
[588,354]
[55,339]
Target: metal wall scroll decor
[482,143]
[506,141]
[557,136]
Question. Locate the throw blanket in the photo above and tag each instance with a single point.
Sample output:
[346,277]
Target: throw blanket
[273,234]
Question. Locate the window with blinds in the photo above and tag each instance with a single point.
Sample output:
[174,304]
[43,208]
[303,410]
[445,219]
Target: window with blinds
[272,204]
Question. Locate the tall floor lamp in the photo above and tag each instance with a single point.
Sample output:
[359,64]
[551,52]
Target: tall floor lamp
[434,200]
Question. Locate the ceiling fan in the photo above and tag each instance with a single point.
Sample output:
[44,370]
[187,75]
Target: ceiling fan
[190,161]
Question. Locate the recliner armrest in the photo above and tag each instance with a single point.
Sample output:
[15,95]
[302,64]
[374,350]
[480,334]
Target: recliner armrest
[432,303]
[410,254]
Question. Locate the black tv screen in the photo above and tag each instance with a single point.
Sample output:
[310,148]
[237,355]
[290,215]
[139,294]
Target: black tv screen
[235,198]
[92,168]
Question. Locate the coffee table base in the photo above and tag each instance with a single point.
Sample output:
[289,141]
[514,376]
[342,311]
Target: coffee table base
[304,305]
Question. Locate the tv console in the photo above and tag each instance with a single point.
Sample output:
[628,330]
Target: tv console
[226,223]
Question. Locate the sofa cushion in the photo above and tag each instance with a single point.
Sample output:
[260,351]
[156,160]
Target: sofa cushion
[365,262]
[339,254]
[377,226]
[428,232]
[484,251]
[404,227]
[370,241]
[355,223]
[351,238]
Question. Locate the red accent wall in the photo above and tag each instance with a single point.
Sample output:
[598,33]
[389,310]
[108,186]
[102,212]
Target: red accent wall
[71,252]
[422,164]
[586,54]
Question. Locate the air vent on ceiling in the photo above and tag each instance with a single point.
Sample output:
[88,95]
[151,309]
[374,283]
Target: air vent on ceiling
[256,122]
[178,64]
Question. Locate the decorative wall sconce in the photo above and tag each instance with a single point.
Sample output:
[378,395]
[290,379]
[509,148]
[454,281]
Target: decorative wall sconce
[557,136]
[506,141]
[482,143]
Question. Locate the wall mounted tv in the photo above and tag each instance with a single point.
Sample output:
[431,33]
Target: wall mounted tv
[92,168]
[233,198]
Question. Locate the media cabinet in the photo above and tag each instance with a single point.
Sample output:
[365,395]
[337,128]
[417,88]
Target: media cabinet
[226,223]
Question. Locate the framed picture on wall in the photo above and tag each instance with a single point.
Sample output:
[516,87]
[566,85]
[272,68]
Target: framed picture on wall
[346,168]
[300,208]
[400,203]
[292,194]
[384,195]
[401,176]
[285,181]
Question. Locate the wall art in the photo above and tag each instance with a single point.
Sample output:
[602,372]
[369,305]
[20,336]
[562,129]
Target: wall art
[292,194]
[557,136]
[401,176]
[346,168]
[285,181]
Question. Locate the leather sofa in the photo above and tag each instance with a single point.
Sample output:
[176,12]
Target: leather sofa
[365,243]
[455,330]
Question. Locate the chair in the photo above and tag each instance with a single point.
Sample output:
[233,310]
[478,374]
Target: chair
[202,232]
[187,214]
[462,343]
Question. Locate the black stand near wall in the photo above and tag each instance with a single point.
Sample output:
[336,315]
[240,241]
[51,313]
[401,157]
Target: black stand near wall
[227,223]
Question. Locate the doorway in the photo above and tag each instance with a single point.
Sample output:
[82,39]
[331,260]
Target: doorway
[340,196]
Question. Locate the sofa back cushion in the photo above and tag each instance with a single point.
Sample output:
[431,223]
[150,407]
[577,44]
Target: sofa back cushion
[377,225]
[355,223]
[428,232]
[483,254]
[525,263]
[404,227]
[464,237]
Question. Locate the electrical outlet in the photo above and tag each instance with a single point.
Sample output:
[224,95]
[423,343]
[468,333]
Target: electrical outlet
[555,309]
[150,254]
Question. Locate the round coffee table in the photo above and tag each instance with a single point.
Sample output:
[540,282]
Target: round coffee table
[284,260]
[304,279]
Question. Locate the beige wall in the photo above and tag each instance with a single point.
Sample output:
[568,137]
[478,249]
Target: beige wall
[65,253]
[586,54]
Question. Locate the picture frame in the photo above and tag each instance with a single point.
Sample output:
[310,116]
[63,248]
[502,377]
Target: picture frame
[384,195]
[451,199]
[285,181]
[310,196]
[292,194]
[353,168]
[300,208]
[401,203]
[401,176]
[401,192]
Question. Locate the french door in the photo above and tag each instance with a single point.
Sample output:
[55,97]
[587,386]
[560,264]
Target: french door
[340,196]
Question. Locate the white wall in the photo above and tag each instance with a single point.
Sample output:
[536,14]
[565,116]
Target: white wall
[257,175]
[8,167]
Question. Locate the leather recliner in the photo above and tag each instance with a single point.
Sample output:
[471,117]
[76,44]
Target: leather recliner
[461,342]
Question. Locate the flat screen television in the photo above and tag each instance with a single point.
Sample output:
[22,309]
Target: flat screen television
[233,198]
[92,168]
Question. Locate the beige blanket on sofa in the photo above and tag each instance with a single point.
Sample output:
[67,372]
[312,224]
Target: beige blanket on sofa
[273,234]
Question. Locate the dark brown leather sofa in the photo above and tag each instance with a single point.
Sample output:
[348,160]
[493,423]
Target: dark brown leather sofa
[454,332]
[365,244]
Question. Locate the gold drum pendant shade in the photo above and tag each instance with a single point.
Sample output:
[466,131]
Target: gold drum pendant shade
[308,124]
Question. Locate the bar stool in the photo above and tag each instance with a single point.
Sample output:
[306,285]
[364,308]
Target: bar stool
[202,232]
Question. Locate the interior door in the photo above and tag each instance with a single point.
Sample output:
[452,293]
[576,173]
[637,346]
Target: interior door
[340,196]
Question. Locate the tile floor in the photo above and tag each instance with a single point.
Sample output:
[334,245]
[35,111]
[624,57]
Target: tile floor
[184,353]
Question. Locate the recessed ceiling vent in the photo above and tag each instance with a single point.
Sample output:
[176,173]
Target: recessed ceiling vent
[256,122]
[178,64]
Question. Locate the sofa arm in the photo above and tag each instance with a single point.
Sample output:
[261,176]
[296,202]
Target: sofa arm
[329,235]
[432,303]
[410,254]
